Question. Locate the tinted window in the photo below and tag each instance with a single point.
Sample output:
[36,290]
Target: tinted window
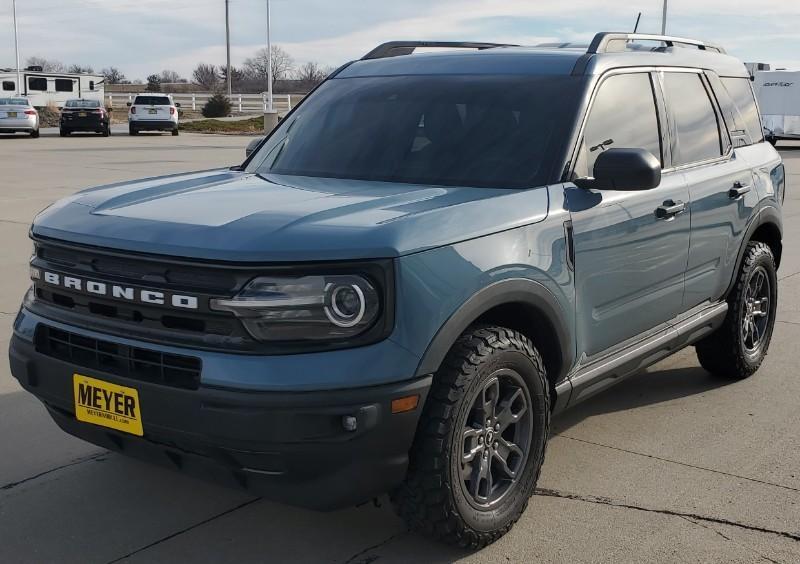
[623,115]
[82,104]
[457,130]
[14,102]
[63,85]
[741,92]
[91,85]
[8,85]
[37,83]
[694,117]
[152,101]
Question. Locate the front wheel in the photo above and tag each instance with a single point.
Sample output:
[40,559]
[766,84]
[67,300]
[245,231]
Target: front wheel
[737,349]
[481,440]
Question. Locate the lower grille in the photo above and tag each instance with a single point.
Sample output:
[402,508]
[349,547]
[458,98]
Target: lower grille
[136,363]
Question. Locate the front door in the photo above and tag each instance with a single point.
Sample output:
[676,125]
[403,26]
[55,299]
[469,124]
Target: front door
[630,258]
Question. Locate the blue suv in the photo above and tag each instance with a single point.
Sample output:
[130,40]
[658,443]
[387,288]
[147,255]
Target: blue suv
[430,257]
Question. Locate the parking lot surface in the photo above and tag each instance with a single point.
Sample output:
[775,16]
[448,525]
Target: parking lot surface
[670,466]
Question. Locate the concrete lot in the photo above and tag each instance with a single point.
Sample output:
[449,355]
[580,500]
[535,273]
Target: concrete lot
[670,466]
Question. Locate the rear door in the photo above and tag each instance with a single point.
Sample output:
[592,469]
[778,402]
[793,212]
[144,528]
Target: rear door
[629,262]
[720,183]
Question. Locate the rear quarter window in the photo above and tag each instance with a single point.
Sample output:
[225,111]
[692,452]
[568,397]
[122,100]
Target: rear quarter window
[8,86]
[742,95]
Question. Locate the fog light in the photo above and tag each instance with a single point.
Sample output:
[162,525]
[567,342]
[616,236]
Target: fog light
[349,423]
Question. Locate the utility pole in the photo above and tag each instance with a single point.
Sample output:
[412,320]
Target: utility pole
[16,49]
[270,107]
[270,115]
[664,19]
[228,44]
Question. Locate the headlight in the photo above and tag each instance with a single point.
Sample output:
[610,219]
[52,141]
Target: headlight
[307,308]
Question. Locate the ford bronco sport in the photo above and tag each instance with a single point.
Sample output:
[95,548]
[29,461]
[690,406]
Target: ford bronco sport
[431,256]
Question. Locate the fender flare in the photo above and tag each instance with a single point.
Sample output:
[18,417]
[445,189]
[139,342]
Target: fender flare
[513,290]
[768,214]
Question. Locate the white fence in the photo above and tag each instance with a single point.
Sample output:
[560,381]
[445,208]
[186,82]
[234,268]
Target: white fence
[240,103]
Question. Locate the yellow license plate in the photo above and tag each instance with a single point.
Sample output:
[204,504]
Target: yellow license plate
[12,114]
[108,405]
[81,114]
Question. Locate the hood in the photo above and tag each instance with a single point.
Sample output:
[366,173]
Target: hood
[237,216]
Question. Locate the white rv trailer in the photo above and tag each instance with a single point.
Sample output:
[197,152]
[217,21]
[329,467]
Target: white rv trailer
[778,94]
[43,88]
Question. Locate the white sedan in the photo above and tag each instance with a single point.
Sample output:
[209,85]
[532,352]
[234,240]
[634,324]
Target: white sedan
[17,115]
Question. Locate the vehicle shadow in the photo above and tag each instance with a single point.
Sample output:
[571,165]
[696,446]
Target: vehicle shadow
[647,388]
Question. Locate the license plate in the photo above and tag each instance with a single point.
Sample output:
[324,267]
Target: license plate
[12,114]
[108,405]
[81,114]
[153,111]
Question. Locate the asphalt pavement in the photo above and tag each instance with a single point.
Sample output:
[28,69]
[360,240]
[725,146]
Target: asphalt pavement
[670,466]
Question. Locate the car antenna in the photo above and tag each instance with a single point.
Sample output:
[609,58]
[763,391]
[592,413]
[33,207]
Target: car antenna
[636,27]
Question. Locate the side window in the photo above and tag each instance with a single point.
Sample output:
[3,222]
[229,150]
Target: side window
[623,115]
[91,85]
[695,121]
[63,85]
[742,94]
[8,86]
[37,83]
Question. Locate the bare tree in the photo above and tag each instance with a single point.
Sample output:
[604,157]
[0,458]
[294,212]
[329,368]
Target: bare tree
[80,69]
[282,64]
[48,65]
[113,76]
[171,76]
[206,76]
[312,73]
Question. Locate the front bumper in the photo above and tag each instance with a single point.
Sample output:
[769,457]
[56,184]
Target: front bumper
[153,125]
[287,446]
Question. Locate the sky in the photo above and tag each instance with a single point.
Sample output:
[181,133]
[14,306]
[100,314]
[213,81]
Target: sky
[143,37]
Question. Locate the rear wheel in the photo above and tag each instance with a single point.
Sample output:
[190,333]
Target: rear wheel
[132,130]
[107,131]
[481,440]
[175,132]
[737,349]
[35,133]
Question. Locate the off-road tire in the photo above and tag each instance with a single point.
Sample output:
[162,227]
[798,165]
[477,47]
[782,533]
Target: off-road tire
[724,352]
[431,500]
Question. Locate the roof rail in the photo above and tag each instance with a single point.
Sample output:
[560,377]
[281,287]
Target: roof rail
[602,40]
[397,48]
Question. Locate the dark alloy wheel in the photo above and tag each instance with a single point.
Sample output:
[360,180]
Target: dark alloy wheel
[497,438]
[737,349]
[755,318]
[480,442]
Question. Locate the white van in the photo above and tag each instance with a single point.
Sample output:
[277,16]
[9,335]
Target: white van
[43,88]
[778,94]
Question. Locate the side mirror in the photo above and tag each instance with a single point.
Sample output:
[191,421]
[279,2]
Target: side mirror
[129,104]
[177,104]
[624,169]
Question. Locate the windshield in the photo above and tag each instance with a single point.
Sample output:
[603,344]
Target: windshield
[152,101]
[456,130]
[13,102]
[83,104]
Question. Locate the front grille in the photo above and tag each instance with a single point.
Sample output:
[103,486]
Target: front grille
[136,363]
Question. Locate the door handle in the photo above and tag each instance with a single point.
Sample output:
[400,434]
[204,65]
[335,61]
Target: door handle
[739,190]
[670,209]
